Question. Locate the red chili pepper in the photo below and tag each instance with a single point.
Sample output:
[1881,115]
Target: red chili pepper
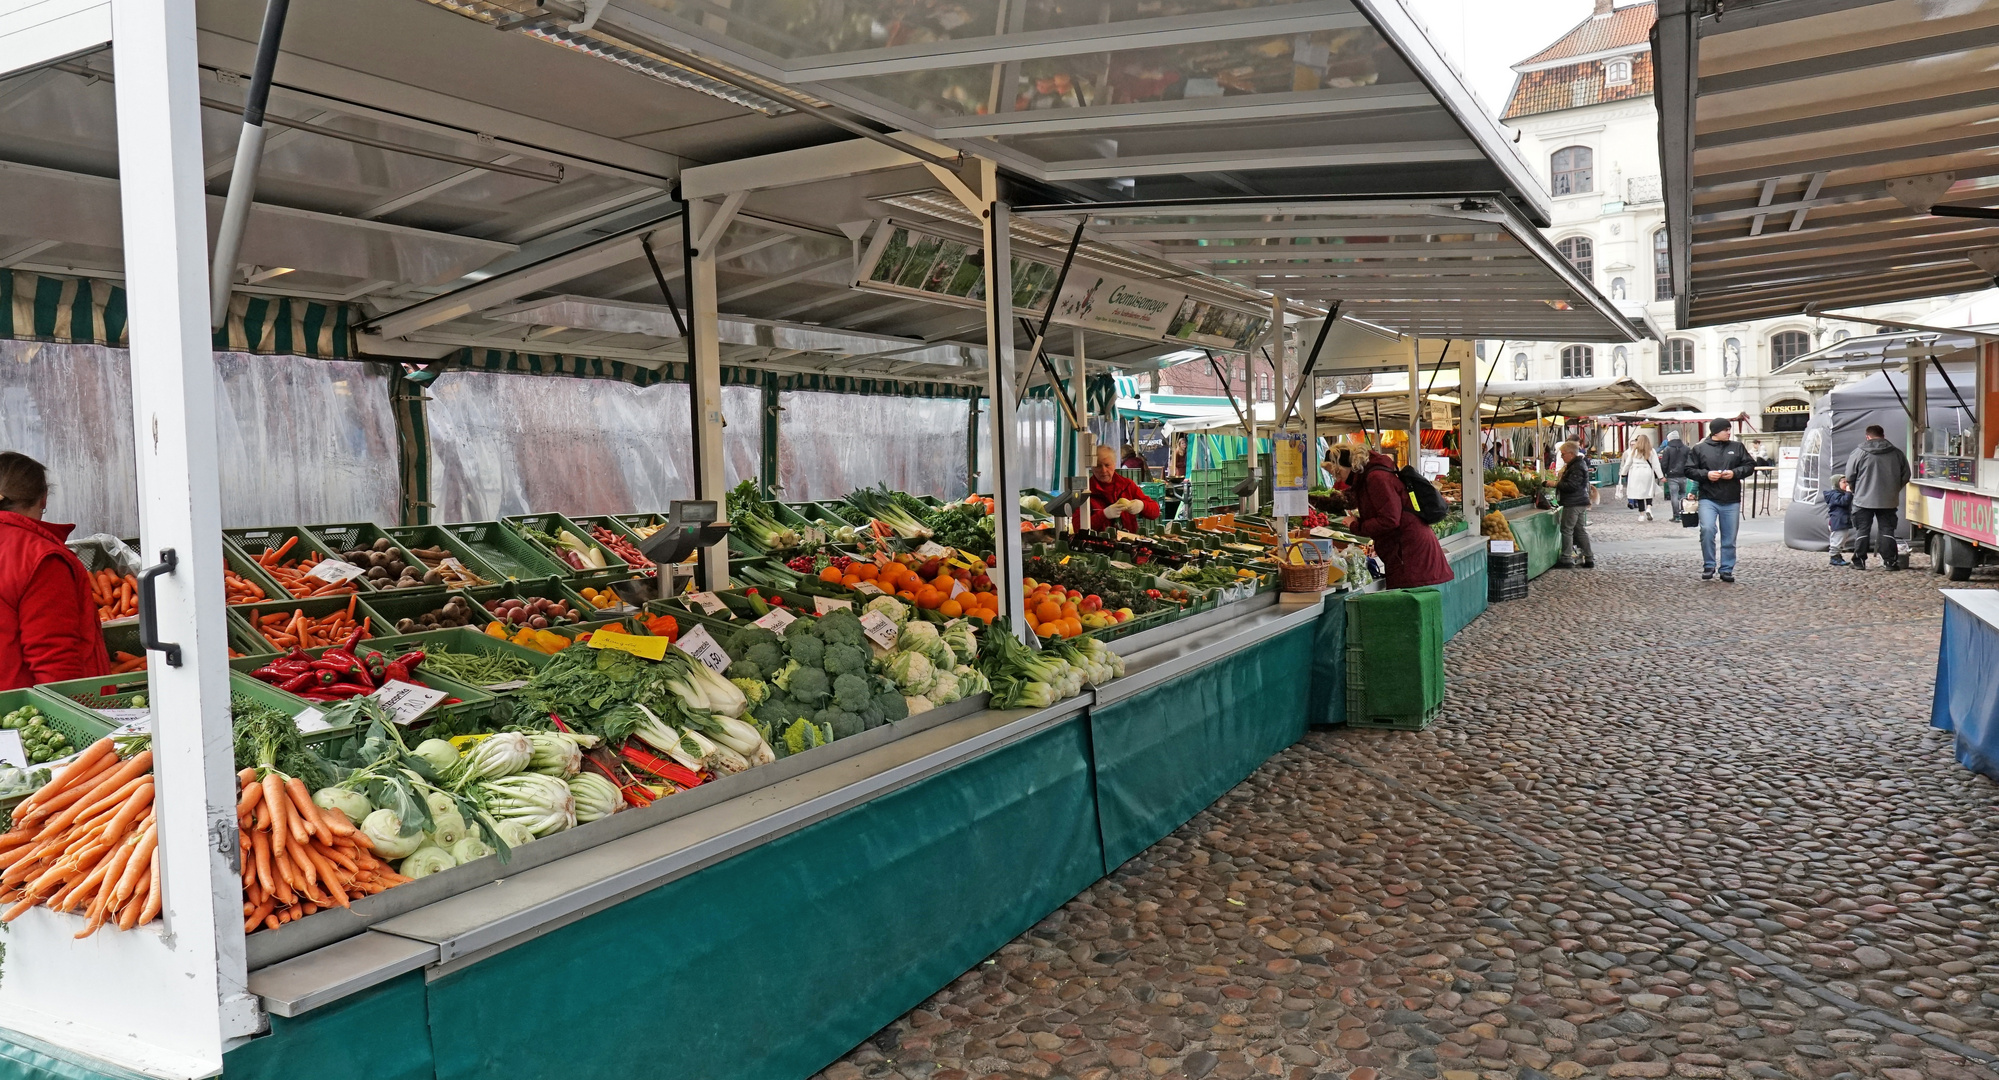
[298,683]
[335,693]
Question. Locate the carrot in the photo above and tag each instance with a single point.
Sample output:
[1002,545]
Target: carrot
[307,813]
[141,763]
[261,841]
[87,764]
[152,909]
[143,854]
[253,793]
[275,801]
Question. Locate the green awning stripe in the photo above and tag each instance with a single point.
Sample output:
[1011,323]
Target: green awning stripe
[507,361]
[89,311]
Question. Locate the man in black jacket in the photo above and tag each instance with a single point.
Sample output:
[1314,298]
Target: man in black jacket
[1573,490]
[1718,465]
[1673,466]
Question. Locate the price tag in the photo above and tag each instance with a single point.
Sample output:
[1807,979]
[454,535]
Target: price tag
[449,563]
[12,752]
[823,604]
[958,588]
[335,571]
[708,602]
[931,549]
[139,719]
[1502,547]
[776,621]
[867,588]
[701,645]
[405,702]
[1122,565]
[1322,532]
[880,629]
[311,720]
[644,647]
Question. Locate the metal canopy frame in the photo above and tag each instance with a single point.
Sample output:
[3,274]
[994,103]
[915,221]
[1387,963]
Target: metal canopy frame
[1813,151]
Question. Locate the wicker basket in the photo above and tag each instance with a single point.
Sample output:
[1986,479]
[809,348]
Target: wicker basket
[1308,576]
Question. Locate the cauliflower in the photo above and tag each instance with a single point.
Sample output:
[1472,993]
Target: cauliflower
[919,636]
[895,609]
[963,642]
[918,704]
[945,689]
[912,672]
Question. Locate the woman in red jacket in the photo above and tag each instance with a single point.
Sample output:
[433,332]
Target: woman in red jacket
[48,624]
[1407,547]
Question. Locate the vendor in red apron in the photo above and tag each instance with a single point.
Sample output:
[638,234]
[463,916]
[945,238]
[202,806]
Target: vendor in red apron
[1114,499]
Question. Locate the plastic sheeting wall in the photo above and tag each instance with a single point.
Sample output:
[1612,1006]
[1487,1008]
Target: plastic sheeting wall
[513,444]
[1036,419]
[831,444]
[299,440]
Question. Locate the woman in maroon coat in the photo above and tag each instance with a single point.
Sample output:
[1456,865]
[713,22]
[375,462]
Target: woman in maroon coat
[1407,547]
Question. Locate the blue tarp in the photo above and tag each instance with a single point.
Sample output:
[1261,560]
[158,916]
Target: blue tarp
[1967,693]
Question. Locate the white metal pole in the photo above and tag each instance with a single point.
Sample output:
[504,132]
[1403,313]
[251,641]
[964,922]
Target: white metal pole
[1415,460]
[1079,391]
[1281,422]
[711,480]
[1471,449]
[1000,375]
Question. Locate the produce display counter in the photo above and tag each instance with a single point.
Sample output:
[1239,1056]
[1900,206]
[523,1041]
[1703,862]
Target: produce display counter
[1539,534]
[1966,701]
[970,828]
[1465,594]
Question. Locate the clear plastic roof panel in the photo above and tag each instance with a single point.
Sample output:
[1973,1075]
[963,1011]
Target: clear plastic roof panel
[1814,154]
[1451,268]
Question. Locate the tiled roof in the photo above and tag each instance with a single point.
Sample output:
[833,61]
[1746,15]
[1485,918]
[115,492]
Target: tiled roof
[1574,86]
[1623,27]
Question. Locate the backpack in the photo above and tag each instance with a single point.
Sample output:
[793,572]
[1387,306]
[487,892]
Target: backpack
[1428,504]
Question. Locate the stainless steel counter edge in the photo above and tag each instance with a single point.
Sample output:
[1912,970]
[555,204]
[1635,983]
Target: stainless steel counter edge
[1188,651]
[463,929]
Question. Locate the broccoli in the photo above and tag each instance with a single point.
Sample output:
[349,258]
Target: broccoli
[781,678]
[845,659]
[745,669]
[778,711]
[872,717]
[766,656]
[754,690]
[850,692]
[807,650]
[810,686]
[801,628]
[746,638]
[842,627]
[892,704]
[841,724]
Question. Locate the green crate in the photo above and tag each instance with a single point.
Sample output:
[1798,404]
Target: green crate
[634,522]
[686,615]
[251,543]
[124,637]
[548,589]
[315,730]
[502,549]
[364,534]
[96,694]
[1395,657]
[78,724]
[474,704]
[248,569]
[616,569]
[618,528]
[93,558]
[395,607]
[435,536]
[316,607]
[462,640]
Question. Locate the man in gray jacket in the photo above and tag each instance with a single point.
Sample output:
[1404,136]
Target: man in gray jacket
[1878,471]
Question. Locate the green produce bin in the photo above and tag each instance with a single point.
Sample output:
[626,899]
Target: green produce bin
[364,534]
[436,536]
[550,589]
[79,725]
[468,642]
[248,569]
[317,607]
[1395,658]
[615,569]
[251,543]
[475,705]
[502,549]
[409,605]
[617,527]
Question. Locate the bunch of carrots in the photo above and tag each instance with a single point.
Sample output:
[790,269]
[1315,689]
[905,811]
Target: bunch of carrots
[124,663]
[299,859]
[295,629]
[87,840]
[116,595]
[291,576]
[237,589]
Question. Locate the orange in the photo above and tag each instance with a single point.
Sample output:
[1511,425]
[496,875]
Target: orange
[950,609]
[851,579]
[1071,626]
[943,582]
[905,594]
[928,599]
[868,571]
[1047,611]
[986,617]
[1068,611]
[831,573]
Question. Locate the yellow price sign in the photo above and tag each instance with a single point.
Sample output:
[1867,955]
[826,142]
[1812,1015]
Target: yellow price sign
[649,648]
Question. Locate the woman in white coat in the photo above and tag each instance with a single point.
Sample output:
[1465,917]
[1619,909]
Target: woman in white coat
[1641,476]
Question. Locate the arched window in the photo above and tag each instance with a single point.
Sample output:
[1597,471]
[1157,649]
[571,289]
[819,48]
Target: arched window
[1662,267]
[1788,346]
[1570,172]
[1617,71]
[1578,362]
[1580,254]
[1677,358]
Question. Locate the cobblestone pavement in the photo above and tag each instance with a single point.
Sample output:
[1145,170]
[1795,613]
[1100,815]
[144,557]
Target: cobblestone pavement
[1663,828]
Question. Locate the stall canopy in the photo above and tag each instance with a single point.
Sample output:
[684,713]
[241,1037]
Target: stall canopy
[1892,349]
[1817,152]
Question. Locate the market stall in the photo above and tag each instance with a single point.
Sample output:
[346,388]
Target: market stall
[462,233]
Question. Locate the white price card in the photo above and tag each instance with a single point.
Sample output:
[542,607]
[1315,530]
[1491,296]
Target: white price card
[958,588]
[931,549]
[1502,547]
[139,720]
[698,643]
[309,721]
[406,701]
[880,629]
[1322,532]
[449,563]
[867,588]
[777,620]
[12,752]
[708,602]
[823,604]
[335,571]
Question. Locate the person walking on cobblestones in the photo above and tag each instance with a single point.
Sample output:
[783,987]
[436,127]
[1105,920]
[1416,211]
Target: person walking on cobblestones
[1878,471]
[1575,491]
[1640,473]
[1673,467]
[1838,517]
[1718,465]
